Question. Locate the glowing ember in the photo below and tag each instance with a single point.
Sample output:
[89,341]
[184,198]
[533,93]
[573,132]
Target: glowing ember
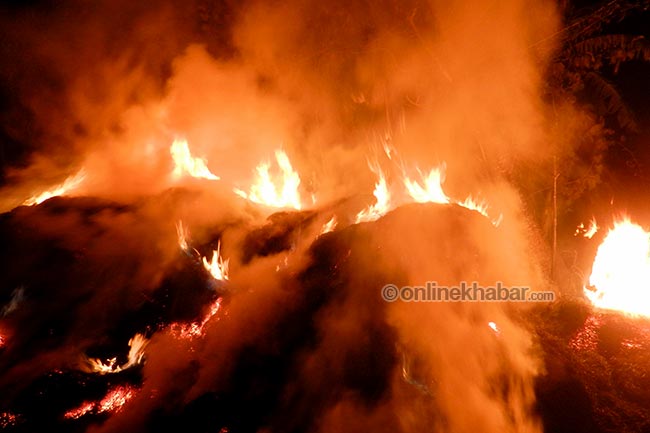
[218,267]
[587,232]
[2,341]
[114,400]
[493,326]
[429,189]
[65,188]
[7,419]
[282,193]
[329,226]
[194,330]
[136,353]
[382,199]
[183,235]
[620,276]
[185,163]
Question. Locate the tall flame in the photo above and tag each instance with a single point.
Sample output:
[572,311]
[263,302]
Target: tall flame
[429,187]
[186,164]
[137,344]
[183,235]
[218,267]
[382,198]
[329,225]
[282,193]
[620,276]
[68,186]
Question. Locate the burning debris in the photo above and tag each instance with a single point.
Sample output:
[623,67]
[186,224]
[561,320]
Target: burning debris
[267,315]
[113,402]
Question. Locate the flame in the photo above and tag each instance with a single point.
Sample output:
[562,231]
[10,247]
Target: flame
[282,193]
[185,163]
[493,326]
[480,207]
[137,344]
[382,198]
[329,225]
[2,341]
[68,185]
[183,235]
[620,273]
[113,401]
[587,232]
[218,267]
[429,189]
[193,330]
[474,205]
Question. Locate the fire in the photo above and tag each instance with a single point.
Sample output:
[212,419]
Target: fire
[218,267]
[185,163]
[113,401]
[65,188]
[382,199]
[474,205]
[480,207]
[329,225]
[7,419]
[587,232]
[183,235]
[620,276]
[137,344]
[429,189]
[2,341]
[194,330]
[281,193]
[494,327]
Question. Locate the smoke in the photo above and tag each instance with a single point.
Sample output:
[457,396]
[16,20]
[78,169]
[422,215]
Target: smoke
[303,331]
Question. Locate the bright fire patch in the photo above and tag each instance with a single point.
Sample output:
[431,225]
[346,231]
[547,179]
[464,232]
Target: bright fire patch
[65,188]
[137,344]
[620,276]
[281,192]
[429,187]
[218,267]
[186,164]
[382,198]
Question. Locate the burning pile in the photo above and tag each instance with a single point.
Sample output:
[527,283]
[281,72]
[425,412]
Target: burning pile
[200,233]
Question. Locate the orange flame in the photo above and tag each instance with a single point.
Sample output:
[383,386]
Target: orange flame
[114,400]
[620,275]
[137,344]
[183,235]
[282,193]
[429,188]
[587,232]
[218,267]
[329,225]
[185,163]
[382,198]
[195,329]
[65,188]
